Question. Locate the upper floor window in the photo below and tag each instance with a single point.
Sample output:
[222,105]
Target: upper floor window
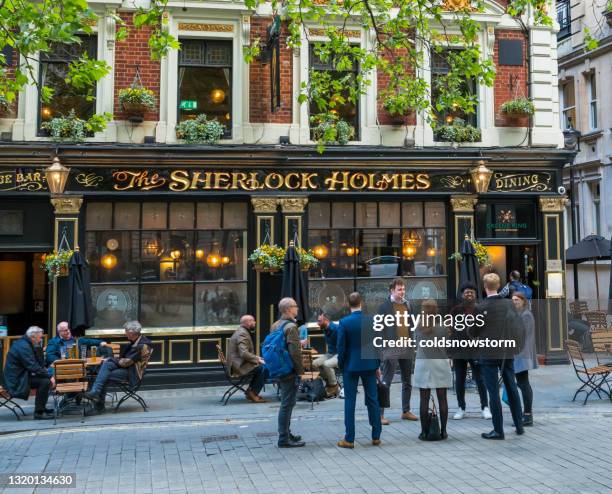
[205,81]
[568,104]
[344,108]
[440,67]
[594,189]
[564,19]
[592,95]
[54,67]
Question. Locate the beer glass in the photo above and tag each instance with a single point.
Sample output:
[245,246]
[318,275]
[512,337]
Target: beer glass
[94,351]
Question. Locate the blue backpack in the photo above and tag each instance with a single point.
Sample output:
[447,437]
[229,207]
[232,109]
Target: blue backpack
[274,352]
[524,289]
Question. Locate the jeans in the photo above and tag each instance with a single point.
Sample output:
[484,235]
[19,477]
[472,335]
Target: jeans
[388,371]
[460,368]
[490,370]
[109,372]
[326,365]
[522,381]
[368,380]
[260,373]
[288,395]
[42,386]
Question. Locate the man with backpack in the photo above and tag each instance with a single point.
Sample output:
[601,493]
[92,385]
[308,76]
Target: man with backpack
[515,285]
[282,353]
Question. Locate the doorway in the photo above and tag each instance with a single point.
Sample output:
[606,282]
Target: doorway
[522,258]
[23,292]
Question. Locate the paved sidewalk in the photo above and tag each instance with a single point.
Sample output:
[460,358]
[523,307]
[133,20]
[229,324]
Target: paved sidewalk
[188,442]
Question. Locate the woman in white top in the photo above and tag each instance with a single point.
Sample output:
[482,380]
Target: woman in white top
[432,369]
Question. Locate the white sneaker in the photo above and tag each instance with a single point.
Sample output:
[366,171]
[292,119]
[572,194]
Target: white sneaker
[459,414]
[341,394]
[486,413]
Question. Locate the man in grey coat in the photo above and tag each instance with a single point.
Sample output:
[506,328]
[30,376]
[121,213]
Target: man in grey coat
[243,360]
[288,384]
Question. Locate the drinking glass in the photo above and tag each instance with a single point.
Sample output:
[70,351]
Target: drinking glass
[83,353]
[93,353]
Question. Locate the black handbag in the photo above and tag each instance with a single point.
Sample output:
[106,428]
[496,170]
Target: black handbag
[384,395]
[433,424]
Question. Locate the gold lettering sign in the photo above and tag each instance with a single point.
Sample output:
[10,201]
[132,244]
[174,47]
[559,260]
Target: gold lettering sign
[194,180]
[523,182]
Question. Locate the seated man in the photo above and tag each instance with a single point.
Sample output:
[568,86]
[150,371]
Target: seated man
[65,340]
[128,367]
[242,358]
[25,370]
[328,362]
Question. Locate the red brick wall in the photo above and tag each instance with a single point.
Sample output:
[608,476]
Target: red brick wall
[502,89]
[10,71]
[382,80]
[133,51]
[259,78]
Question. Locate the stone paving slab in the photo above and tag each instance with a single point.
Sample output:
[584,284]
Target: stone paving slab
[188,443]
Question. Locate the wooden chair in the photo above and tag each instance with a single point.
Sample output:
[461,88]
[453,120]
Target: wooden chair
[596,319]
[6,400]
[70,384]
[593,379]
[116,347]
[131,391]
[236,383]
[578,307]
[602,346]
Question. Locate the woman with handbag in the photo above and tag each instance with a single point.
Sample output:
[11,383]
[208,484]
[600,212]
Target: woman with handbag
[431,371]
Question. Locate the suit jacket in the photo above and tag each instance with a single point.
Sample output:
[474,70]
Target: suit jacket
[22,362]
[390,332]
[350,346]
[241,352]
[499,314]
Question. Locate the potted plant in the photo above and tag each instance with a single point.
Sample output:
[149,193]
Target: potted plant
[458,131]
[56,263]
[268,258]
[481,254]
[608,13]
[136,101]
[518,107]
[398,107]
[307,258]
[329,128]
[199,130]
[72,128]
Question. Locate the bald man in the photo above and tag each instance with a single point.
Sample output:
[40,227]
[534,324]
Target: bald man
[243,360]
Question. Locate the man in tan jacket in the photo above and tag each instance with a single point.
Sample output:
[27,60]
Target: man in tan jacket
[243,360]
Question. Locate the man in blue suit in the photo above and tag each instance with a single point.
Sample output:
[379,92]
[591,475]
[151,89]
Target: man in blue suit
[355,367]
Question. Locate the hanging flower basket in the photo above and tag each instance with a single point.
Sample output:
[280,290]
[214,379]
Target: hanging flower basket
[136,101]
[307,259]
[268,258]
[56,263]
[518,108]
[481,254]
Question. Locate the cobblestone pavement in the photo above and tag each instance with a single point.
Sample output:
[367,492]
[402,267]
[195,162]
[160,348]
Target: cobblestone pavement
[188,442]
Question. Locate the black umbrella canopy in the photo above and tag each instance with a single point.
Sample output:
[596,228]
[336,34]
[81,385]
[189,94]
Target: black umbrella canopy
[469,269]
[593,247]
[294,285]
[79,303]
[610,289]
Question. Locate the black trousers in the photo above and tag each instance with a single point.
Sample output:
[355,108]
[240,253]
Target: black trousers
[42,385]
[522,381]
[460,368]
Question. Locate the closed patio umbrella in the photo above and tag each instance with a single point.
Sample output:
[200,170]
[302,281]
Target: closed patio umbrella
[294,285]
[610,289]
[591,248]
[79,303]
[469,269]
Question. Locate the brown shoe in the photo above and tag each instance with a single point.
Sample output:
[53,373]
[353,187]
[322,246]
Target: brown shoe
[255,398]
[332,391]
[409,416]
[345,444]
[384,421]
[376,442]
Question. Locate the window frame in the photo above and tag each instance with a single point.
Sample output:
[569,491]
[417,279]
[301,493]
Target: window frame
[592,101]
[228,134]
[91,41]
[565,109]
[564,18]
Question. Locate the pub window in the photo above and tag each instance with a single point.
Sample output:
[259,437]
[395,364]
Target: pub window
[205,81]
[592,95]
[53,72]
[440,67]
[364,245]
[568,104]
[168,264]
[347,110]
